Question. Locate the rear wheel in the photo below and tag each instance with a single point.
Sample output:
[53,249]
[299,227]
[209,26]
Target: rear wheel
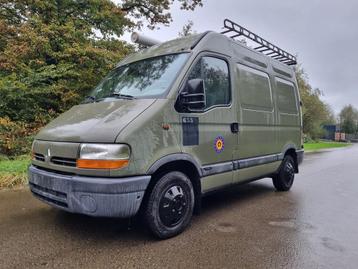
[170,205]
[283,180]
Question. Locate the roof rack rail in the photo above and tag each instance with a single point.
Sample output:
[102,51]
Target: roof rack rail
[265,47]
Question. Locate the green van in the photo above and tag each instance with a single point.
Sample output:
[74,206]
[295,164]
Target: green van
[170,124]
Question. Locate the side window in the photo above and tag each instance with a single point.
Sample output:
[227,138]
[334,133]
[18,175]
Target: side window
[286,97]
[255,90]
[215,73]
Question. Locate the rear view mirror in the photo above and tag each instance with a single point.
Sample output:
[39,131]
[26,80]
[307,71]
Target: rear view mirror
[193,96]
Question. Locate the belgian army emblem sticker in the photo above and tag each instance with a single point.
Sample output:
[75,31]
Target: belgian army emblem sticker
[219,144]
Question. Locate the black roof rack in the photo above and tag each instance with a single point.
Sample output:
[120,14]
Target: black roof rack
[265,47]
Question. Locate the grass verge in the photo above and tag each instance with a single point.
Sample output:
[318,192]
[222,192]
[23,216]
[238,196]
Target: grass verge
[314,146]
[13,173]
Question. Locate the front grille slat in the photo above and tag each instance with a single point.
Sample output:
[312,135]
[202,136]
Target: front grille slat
[39,157]
[64,161]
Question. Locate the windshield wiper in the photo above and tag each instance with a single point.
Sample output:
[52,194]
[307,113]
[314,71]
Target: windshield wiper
[122,96]
[114,95]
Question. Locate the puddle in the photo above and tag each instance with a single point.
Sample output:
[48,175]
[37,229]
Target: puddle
[291,224]
[284,224]
[226,227]
[332,244]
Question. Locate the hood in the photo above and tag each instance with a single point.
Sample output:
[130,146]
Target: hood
[94,122]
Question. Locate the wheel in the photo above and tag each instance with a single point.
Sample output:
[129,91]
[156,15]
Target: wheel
[170,205]
[283,180]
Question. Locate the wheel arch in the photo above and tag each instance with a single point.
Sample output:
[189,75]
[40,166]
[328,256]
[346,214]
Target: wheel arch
[181,162]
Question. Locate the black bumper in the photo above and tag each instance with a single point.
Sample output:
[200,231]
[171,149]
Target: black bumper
[106,197]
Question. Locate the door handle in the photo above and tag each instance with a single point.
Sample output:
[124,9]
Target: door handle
[234,127]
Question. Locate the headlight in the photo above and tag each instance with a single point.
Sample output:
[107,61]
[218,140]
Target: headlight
[103,156]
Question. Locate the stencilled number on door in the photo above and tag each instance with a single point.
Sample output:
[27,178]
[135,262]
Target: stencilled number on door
[190,131]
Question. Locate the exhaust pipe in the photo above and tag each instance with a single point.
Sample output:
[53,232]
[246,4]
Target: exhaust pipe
[143,40]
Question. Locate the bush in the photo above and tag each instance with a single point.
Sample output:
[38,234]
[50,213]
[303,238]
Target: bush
[16,137]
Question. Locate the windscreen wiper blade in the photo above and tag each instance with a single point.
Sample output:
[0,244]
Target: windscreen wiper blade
[116,95]
[122,96]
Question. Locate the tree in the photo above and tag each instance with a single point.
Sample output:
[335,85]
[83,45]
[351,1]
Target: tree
[52,53]
[348,118]
[187,29]
[315,112]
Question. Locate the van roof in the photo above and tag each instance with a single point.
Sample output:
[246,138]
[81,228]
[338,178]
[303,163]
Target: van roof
[215,42]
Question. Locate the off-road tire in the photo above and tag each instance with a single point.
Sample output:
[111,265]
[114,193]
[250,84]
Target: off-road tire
[283,180]
[170,205]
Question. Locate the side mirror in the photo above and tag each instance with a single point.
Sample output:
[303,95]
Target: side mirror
[193,96]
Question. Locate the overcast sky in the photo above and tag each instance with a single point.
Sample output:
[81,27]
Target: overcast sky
[324,35]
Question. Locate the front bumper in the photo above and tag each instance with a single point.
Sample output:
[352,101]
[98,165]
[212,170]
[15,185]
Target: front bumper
[104,197]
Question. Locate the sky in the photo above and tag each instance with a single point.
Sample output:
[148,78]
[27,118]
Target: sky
[324,35]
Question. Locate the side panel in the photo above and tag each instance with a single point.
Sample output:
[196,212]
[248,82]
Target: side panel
[215,181]
[257,124]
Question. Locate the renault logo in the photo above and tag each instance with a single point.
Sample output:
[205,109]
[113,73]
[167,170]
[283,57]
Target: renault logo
[49,152]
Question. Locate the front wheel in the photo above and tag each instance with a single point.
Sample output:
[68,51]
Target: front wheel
[283,180]
[170,205]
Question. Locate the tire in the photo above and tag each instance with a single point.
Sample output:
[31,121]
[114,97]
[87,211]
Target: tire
[283,180]
[170,205]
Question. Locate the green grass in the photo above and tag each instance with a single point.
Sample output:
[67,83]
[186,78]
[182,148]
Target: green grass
[313,146]
[13,172]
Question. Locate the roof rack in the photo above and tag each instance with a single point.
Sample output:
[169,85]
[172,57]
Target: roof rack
[265,47]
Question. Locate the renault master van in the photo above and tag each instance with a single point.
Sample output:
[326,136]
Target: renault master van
[170,124]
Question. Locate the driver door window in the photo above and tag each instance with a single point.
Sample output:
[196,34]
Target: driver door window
[215,73]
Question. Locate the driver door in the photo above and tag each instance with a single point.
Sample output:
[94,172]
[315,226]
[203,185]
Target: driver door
[207,134]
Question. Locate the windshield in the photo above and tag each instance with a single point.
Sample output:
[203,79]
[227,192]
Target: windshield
[143,79]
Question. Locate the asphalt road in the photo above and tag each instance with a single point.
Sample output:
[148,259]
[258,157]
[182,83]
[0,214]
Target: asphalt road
[315,225]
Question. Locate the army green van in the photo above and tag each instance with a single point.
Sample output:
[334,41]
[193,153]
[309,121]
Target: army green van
[170,124]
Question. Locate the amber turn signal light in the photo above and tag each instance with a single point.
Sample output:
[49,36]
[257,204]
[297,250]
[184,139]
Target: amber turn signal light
[102,164]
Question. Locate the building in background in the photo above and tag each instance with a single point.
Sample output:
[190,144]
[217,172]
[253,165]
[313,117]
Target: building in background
[333,132]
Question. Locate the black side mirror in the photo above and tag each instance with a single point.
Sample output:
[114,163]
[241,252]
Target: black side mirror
[193,96]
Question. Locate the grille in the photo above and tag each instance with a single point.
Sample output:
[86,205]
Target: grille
[41,192]
[39,157]
[64,161]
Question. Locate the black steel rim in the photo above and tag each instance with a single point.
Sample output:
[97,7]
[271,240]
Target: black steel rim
[289,172]
[173,206]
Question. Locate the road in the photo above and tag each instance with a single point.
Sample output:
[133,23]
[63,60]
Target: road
[315,225]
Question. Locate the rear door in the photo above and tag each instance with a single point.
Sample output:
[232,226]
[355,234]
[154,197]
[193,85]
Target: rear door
[289,120]
[207,134]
